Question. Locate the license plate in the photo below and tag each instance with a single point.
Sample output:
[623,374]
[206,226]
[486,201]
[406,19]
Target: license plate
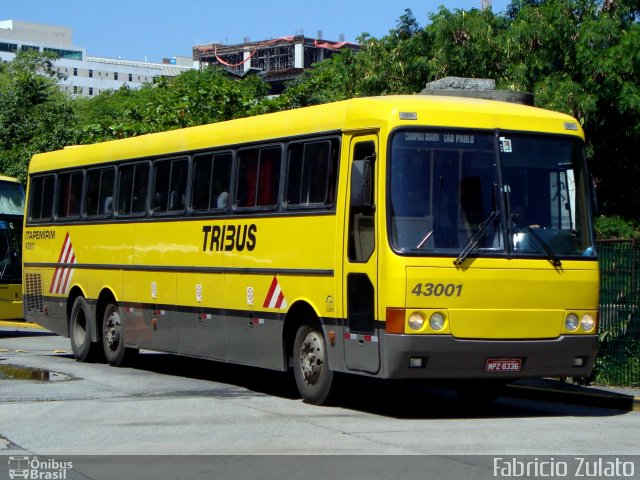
[503,365]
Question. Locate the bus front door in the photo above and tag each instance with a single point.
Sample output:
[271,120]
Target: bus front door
[361,346]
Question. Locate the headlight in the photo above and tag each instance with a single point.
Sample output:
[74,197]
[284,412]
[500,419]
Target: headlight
[416,321]
[587,323]
[436,321]
[571,322]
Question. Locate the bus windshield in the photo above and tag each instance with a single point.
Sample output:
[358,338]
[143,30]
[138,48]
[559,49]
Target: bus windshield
[11,198]
[11,211]
[460,193]
[10,258]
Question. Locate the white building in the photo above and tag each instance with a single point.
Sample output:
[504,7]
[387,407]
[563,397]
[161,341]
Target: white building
[83,75]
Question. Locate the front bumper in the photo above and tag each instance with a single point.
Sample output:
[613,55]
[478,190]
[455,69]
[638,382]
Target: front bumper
[446,357]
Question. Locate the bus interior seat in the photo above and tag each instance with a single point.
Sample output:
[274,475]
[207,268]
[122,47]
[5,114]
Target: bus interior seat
[223,200]
[108,205]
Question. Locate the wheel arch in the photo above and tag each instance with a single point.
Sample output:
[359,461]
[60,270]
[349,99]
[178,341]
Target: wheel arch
[300,312]
[75,292]
[106,296]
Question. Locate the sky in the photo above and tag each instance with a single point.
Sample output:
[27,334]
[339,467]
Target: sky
[155,29]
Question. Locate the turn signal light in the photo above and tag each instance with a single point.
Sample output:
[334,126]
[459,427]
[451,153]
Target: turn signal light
[395,320]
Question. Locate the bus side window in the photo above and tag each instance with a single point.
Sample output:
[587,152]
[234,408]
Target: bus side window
[140,188]
[99,194]
[125,189]
[220,181]
[178,184]
[258,177]
[162,172]
[41,203]
[69,194]
[295,167]
[311,174]
[269,176]
[211,180]
[247,178]
[361,220]
[170,185]
[133,185]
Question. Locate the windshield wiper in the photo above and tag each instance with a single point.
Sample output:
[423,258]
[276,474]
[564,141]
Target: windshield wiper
[6,260]
[473,241]
[545,246]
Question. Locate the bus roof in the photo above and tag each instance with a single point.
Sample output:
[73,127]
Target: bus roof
[370,113]
[8,179]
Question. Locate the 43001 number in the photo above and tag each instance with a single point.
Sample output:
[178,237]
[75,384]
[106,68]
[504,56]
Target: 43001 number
[437,290]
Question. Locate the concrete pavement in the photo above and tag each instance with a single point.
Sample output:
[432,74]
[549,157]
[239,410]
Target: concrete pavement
[546,389]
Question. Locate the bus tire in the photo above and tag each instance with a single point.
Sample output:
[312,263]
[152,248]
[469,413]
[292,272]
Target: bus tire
[113,342]
[311,370]
[80,326]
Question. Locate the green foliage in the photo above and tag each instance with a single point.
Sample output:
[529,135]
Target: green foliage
[615,227]
[193,98]
[614,371]
[466,44]
[34,115]
[581,57]
[332,80]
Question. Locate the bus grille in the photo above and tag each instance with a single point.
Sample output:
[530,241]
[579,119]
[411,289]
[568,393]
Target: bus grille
[33,292]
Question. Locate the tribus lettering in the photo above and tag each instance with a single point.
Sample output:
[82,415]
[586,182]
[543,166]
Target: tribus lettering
[229,237]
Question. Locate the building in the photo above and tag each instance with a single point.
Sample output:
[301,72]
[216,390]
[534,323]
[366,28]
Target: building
[82,75]
[277,61]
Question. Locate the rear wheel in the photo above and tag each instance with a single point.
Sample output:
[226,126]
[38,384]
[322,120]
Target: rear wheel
[113,338]
[80,328]
[313,377]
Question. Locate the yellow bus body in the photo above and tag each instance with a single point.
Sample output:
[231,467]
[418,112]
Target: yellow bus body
[10,290]
[179,291]
[11,302]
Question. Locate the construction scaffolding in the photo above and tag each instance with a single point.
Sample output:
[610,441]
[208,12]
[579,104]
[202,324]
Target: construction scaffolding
[277,61]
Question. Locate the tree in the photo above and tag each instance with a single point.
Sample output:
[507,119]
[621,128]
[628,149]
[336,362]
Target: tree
[34,115]
[330,81]
[467,44]
[581,57]
[193,98]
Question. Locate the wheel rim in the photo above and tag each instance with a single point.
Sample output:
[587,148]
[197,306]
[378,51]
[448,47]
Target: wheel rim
[312,357]
[79,328]
[112,330]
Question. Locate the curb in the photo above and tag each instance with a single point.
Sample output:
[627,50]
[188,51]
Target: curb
[19,324]
[588,396]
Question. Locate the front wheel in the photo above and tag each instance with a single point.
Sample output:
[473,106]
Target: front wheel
[313,377]
[113,338]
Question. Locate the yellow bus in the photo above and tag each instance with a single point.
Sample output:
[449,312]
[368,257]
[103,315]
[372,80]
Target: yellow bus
[399,237]
[11,218]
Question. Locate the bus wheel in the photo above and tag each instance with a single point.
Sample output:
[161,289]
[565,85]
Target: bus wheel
[80,331]
[113,338]
[313,377]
